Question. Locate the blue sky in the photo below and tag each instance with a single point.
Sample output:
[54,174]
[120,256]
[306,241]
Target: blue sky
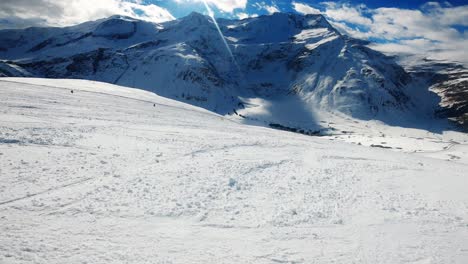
[436,28]
[182,8]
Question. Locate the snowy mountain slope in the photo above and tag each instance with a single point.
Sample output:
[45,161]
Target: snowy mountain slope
[113,174]
[449,81]
[43,43]
[282,57]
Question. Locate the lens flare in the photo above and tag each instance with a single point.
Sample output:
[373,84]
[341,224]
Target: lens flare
[211,15]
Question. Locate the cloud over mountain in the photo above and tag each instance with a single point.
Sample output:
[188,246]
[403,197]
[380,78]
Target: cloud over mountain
[223,5]
[432,29]
[23,13]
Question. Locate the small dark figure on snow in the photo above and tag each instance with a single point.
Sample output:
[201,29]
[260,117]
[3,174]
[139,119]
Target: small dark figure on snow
[154,105]
[71,91]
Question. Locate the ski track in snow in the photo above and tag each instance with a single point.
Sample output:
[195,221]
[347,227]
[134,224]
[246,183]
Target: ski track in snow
[102,176]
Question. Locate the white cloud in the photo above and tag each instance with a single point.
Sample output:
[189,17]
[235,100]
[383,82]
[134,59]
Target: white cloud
[304,9]
[428,30]
[354,32]
[243,15]
[223,5]
[447,15]
[346,12]
[20,13]
[271,9]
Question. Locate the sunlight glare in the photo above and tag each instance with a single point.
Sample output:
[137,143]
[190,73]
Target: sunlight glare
[211,15]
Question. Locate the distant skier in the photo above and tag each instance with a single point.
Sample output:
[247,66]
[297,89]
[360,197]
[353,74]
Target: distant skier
[154,105]
[71,91]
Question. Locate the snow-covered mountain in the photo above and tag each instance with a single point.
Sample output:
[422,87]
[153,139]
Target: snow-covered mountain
[449,81]
[261,69]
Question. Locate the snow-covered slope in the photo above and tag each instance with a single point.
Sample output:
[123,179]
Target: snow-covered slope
[447,79]
[298,61]
[109,174]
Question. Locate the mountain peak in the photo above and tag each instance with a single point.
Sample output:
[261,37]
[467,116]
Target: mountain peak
[196,16]
[298,20]
[116,27]
[121,17]
[194,19]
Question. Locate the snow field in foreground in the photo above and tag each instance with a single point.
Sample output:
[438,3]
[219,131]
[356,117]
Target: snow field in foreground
[109,174]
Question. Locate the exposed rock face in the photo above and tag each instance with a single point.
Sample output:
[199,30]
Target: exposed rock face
[450,82]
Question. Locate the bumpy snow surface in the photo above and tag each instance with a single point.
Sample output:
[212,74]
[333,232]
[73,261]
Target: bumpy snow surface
[108,174]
